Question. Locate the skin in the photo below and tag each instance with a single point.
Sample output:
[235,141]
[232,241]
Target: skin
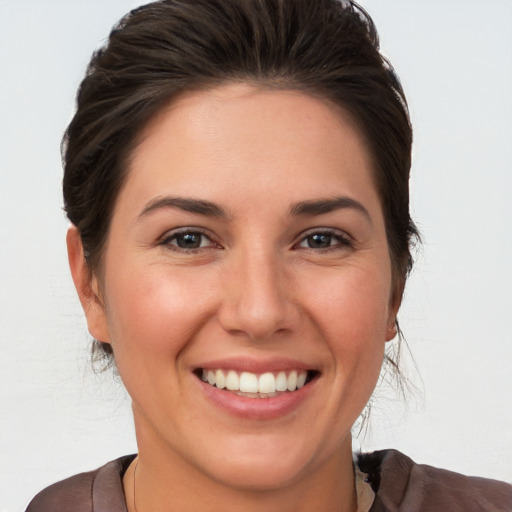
[255,289]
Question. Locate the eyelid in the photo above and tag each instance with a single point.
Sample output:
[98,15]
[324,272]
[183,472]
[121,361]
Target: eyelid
[173,233]
[345,239]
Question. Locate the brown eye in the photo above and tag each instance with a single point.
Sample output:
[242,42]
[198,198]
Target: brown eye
[188,240]
[319,240]
[325,240]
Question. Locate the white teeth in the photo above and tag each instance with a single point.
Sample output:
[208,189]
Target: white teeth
[248,395]
[292,381]
[233,381]
[301,380]
[252,385]
[220,379]
[281,382]
[267,383]
[248,382]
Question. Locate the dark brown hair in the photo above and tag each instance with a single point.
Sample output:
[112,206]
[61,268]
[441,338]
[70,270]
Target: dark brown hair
[327,48]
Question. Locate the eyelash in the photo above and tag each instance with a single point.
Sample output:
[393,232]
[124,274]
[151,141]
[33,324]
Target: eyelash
[342,240]
[168,240]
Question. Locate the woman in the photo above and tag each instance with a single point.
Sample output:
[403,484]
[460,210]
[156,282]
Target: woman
[236,176]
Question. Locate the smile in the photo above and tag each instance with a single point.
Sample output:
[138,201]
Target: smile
[252,385]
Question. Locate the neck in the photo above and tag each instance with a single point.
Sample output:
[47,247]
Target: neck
[165,481]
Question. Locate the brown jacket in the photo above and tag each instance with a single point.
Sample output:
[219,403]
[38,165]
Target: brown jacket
[400,485]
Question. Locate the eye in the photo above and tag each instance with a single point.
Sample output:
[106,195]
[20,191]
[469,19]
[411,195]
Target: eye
[187,240]
[325,239]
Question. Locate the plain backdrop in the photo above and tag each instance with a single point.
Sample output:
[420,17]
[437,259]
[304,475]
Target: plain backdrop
[58,418]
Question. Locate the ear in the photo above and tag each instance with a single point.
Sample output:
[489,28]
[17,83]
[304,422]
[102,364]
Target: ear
[394,306]
[392,329]
[86,284]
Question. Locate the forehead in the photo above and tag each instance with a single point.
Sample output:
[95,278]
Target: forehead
[261,140]
[253,110]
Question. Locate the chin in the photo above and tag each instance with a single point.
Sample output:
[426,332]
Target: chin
[257,474]
[263,463]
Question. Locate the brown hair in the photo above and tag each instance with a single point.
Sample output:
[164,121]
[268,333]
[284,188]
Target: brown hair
[328,48]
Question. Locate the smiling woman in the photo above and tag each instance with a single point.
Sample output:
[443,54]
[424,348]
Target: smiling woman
[236,175]
[249,295]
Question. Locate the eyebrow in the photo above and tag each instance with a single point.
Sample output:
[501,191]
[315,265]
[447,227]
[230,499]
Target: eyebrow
[197,206]
[209,209]
[322,206]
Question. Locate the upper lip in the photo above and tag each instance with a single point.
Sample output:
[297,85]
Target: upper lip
[258,366]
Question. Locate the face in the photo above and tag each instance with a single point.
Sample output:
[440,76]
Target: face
[245,285]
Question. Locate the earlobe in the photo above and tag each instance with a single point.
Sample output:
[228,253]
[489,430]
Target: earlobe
[395,303]
[86,285]
[391,331]
[392,325]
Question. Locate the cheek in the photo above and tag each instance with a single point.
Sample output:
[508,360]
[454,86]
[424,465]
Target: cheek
[353,301]
[153,314]
[353,317]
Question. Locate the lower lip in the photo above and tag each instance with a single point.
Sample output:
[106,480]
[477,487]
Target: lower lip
[257,408]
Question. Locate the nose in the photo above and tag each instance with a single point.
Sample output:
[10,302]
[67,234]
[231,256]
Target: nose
[258,298]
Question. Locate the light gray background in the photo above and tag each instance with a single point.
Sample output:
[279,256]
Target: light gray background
[455,61]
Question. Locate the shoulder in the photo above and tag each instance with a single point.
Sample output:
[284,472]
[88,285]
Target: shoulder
[96,490]
[403,485]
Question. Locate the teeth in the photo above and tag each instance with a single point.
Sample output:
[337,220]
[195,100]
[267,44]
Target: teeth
[220,379]
[253,385]
[248,382]
[292,381]
[267,383]
[281,382]
[233,381]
